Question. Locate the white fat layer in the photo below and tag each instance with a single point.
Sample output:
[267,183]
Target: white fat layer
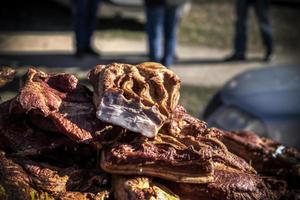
[131,119]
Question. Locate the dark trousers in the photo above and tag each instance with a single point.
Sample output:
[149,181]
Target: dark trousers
[261,11]
[161,27]
[84,22]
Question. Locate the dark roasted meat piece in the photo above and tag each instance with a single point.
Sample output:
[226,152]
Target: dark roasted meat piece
[137,97]
[18,136]
[140,188]
[181,123]
[182,159]
[227,185]
[15,182]
[66,105]
[266,156]
[277,187]
[25,179]
[159,159]
[60,140]
[185,151]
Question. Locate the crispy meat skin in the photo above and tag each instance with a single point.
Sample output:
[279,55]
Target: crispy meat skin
[14,180]
[181,123]
[227,185]
[23,179]
[136,97]
[267,156]
[66,104]
[168,158]
[41,164]
[140,188]
[18,136]
[175,156]
[186,151]
[278,187]
[157,163]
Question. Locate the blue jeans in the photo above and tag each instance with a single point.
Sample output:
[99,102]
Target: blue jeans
[261,11]
[161,27]
[85,22]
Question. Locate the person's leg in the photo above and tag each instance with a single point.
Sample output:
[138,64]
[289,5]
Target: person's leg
[261,10]
[79,15]
[91,22]
[240,39]
[172,15]
[154,31]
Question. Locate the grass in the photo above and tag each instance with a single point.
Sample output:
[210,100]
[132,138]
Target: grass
[195,98]
[211,23]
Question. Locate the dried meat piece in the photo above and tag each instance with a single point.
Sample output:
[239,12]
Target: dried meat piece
[185,151]
[140,188]
[84,196]
[251,147]
[137,97]
[176,159]
[66,105]
[226,185]
[181,123]
[15,183]
[19,137]
[278,187]
[26,179]
[56,181]
[267,156]
[168,160]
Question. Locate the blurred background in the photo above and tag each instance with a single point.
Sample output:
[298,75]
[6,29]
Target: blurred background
[226,94]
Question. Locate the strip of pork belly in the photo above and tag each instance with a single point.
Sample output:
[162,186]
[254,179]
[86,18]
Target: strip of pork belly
[226,185]
[66,104]
[140,188]
[168,160]
[191,131]
[181,159]
[267,156]
[137,97]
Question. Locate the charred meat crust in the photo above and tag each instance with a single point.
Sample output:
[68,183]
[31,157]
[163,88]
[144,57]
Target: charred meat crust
[66,104]
[140,188]
[137,97]
[227,185]
[25,179]
[43,128]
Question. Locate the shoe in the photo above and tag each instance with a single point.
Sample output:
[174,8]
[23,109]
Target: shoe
[235,57]
[79,54]
[91,52]
[268,56]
